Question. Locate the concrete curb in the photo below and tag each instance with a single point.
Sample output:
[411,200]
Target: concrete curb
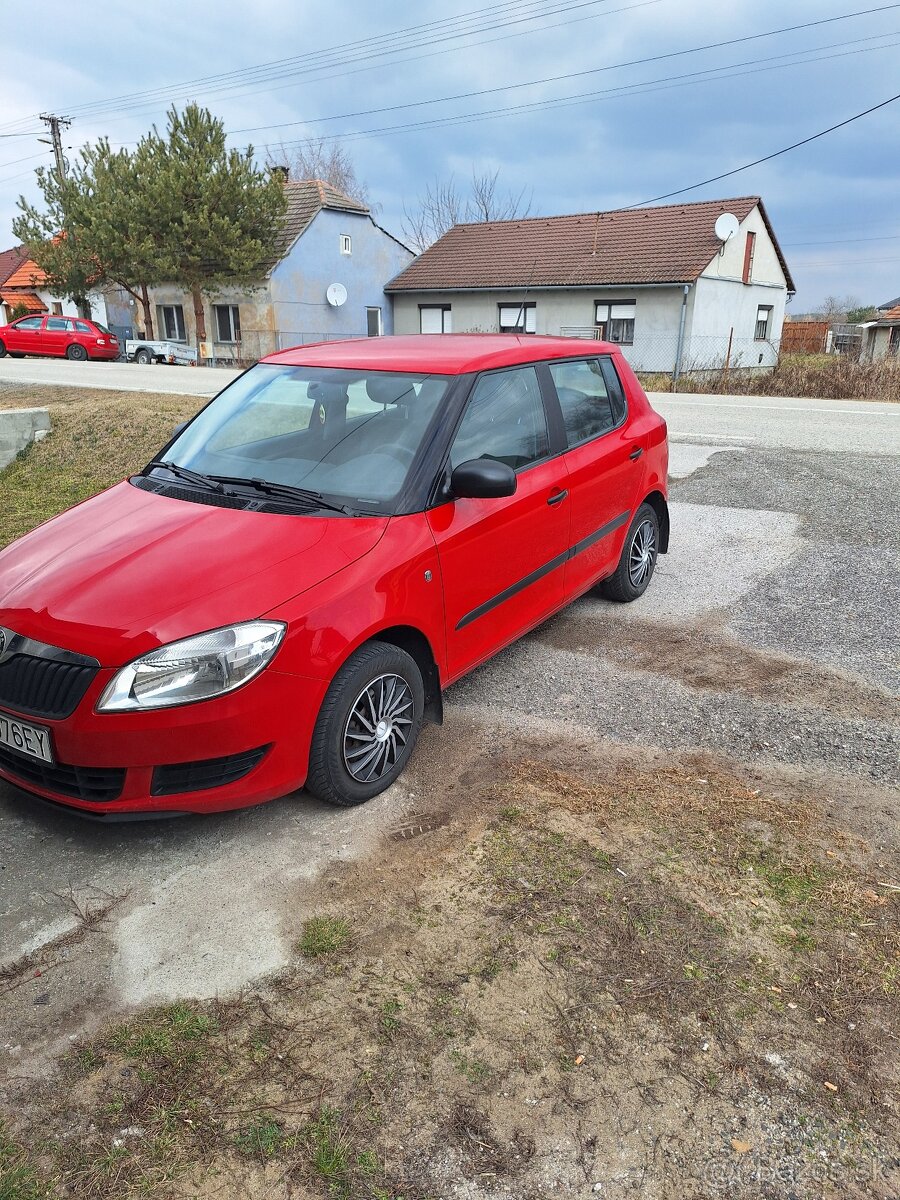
[19,427]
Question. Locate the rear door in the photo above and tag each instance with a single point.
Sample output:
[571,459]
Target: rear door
[24,335]
[605,464]
[56,336]
[502,560]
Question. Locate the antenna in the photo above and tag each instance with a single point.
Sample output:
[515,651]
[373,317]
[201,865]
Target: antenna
[726,227]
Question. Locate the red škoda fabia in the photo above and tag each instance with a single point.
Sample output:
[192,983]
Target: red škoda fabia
[279,598]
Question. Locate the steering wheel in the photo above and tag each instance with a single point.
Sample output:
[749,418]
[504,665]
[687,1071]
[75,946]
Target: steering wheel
[403,454]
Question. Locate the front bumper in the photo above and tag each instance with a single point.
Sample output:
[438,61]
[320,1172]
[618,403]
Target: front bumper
[182,759]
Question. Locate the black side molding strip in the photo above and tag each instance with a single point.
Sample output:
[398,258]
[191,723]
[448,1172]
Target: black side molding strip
[513,589]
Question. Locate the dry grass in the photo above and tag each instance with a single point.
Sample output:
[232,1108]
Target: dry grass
[533,996]
[821,376]
[99,437]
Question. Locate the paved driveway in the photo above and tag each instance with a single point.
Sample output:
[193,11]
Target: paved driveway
[769,636]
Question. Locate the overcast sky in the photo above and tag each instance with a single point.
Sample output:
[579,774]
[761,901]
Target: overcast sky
[833,203]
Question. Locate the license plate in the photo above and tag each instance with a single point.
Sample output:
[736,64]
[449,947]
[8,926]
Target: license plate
[26,739]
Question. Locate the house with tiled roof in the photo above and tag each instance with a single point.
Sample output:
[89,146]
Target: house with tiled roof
[660,281]
[24,290]
[881,336]
[327,281]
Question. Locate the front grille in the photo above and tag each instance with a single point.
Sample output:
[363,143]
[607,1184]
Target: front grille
[98,784]
[43,681]
[208,773]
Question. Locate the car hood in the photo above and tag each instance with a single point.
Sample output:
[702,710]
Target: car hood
[130,570]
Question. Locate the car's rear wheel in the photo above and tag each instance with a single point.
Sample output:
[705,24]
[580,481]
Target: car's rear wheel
[638,560]
[76,353]
[368,725]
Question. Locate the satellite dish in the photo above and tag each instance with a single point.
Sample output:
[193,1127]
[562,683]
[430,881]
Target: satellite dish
[336,295]
[727,226]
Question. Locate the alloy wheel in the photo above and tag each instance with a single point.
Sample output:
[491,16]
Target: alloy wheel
[378,728]
[642,554]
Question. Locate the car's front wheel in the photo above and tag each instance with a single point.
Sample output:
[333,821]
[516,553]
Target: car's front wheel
[368,725]
[638,561]
[2,350]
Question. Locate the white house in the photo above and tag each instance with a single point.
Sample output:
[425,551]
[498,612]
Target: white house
[660,281]
[25,289]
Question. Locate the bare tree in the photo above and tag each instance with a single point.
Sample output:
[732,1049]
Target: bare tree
[442,206]
[319,158]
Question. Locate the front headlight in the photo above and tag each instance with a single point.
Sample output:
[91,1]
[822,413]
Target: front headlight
[197,668]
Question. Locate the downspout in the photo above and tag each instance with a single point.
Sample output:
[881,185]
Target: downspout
[680,347]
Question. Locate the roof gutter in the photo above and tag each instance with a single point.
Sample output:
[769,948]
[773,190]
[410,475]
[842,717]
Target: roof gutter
[538,287]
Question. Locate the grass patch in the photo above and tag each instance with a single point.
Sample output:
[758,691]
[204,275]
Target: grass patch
[324,935]
[261,1138]
[822,376]
[19,1178]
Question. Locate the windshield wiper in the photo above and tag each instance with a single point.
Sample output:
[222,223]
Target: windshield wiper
[191,476]
[305,496]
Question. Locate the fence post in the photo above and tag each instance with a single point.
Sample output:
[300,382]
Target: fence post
[680,347]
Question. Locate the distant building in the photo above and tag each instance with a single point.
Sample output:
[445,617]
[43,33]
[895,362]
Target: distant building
[658,281]
[326,282]
[24,289]
[881,336]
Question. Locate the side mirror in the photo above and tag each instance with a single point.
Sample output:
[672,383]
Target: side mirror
[483,479]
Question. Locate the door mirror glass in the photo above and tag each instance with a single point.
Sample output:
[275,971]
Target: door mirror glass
[483,479]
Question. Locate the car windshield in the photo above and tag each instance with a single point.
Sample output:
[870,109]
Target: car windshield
[349,435]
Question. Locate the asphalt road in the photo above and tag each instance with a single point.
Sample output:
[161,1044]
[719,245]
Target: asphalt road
[118,376]
[768,636]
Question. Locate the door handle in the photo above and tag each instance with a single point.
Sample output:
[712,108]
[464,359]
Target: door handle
[636,453]
[557,497]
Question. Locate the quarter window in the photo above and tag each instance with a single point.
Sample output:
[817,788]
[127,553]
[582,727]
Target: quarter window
[170,320]
[435,318]
[763,322]
[83,327]
[588,408]
[504,421]
[615,321]
[518,318]
[228,322]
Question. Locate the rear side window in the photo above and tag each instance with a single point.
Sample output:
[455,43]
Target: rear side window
[58,325]
[504,420]
[589,406]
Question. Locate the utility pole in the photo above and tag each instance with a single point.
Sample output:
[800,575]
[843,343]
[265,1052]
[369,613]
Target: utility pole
[55,124]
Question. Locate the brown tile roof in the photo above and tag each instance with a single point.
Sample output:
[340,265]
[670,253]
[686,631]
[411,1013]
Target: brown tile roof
[26,300]
[10,260]
[892,314]
[672,243]
[305,198]
[27,275]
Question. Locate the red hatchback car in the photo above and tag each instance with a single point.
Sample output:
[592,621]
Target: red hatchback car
[58,337]
[279,598]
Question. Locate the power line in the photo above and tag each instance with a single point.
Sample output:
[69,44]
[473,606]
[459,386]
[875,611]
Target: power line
[768,157]
[571,74]
[886,237]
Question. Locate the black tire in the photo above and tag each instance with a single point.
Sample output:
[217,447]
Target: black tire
[377,666]
[76,353]
[638,562]
[2,350]
[144,357]
[15,354]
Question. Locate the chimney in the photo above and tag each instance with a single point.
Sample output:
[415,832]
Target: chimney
[280,170]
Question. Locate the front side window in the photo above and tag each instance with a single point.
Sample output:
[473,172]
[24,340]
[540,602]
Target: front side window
[763,322]
[504,420]
[518,318]
[170,320]
[435,318]
[228,322]
[33,323]
[615,321]
[588,408]
[349,435]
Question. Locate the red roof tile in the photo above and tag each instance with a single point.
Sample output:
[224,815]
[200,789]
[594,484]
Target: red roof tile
[672,243]
[11,260]
[22,300]
[27,275]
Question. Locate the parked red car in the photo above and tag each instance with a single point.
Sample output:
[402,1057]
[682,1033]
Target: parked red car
[280,597]
[58,337]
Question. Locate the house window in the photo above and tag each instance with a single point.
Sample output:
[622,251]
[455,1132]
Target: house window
[749,251]
[373,322]
[517,318]
[763,322]
[615,321]
[435,318]
[228,322]
[57,308]
[346,244]
[894,342]
[170,322]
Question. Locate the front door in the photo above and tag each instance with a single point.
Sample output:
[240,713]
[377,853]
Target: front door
[502,560]
[24,336]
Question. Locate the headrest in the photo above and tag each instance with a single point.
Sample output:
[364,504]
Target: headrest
[327,392]
[386,389]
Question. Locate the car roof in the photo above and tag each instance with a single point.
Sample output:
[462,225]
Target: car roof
[437,354]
